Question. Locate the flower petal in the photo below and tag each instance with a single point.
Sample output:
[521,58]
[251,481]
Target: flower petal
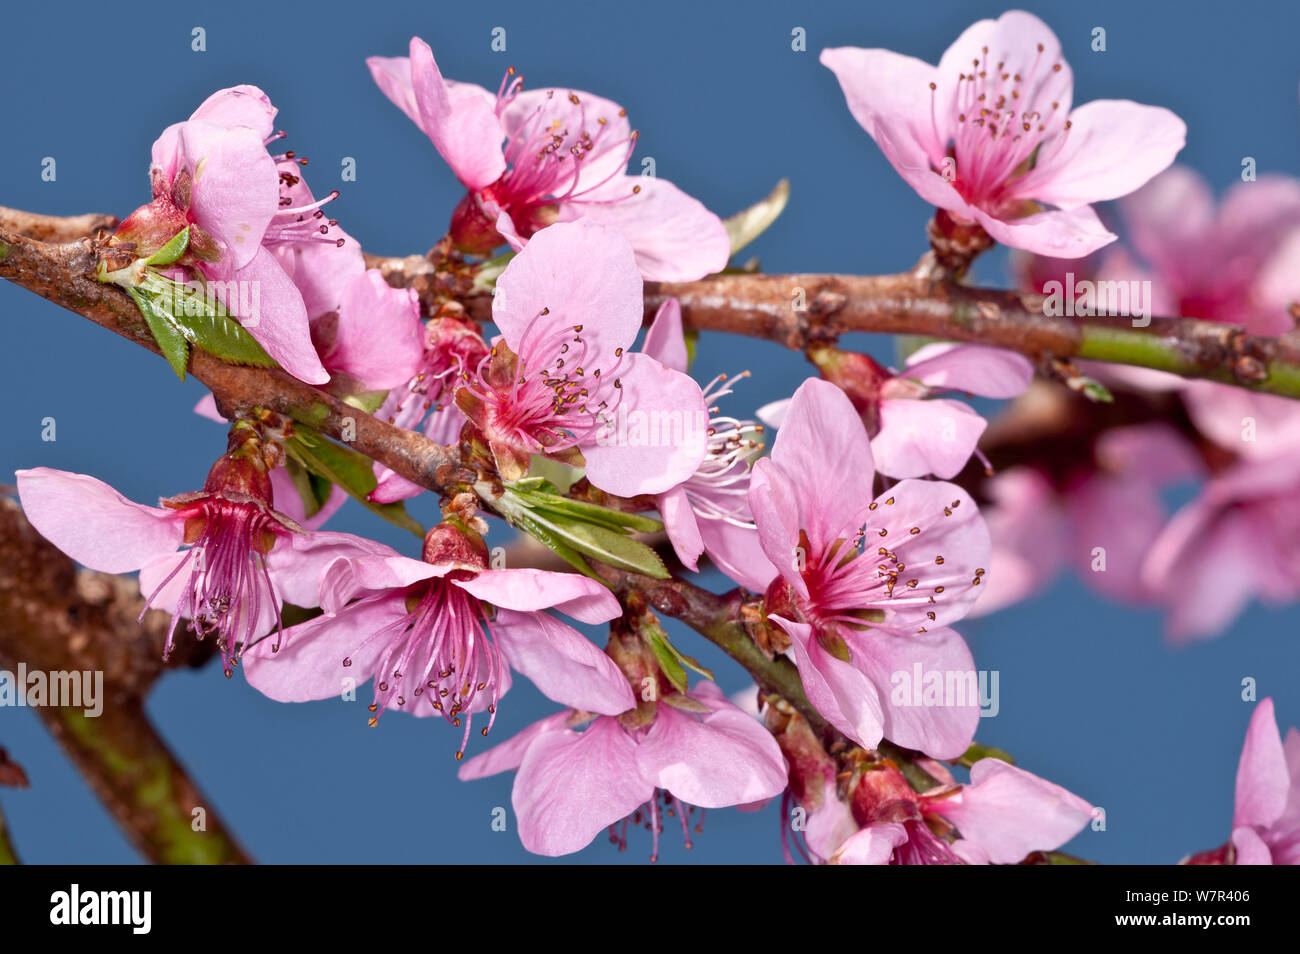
[573,785]
[565,666]
[458,118]
[838,690]
[1008,812]
[94,524]
[310,661]
[527,590]
[656,438]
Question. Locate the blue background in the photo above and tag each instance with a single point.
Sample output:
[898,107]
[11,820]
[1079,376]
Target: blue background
[1092,697]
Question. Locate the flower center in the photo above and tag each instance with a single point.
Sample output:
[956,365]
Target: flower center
[299,224]
[227,590]
[554,397]
[923,847]
[548,157]
[443,650]
[650,816]
[1004,115]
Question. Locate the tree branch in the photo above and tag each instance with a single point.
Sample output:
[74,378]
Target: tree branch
[763,306]
[56,618]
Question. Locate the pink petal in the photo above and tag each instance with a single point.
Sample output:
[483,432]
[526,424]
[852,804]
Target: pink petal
[236,186]
[665,340]
[675,237]
[1112,148]
[458,119]
[321,270]
[1251,849]
[1008,812]
[873,845]
[507,756]
[379,339]
[838,690]
[977,369]
[737,552]
[298,563]
[542,109]
[94,524]
[919,437]
[726,758]
[571,786]
[1058,233]
[942,731]
[310,661]
[889,95]
[658,434]
[528,590]
[822,447]
[565,666]
[775,504]
[289,502]
[276,316]
[585,274]
[1174,205]
[682,527]
[239,106]
[348,575]
[1263,781]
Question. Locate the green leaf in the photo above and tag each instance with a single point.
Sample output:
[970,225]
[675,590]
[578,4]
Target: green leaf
[745,226]
[173,250]
[665,656]
[672,660]
[205,322]
[1092,389]
[313,490]
[485,278]
[170,341]
[367,401]
[585,529]
[588,512]
[351,470]
[978,751]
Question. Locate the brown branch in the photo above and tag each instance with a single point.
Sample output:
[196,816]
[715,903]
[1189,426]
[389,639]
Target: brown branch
[55,618]
[801,310]
[55,228]
[64,274]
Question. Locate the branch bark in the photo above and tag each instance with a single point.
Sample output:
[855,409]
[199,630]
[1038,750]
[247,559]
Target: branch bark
[56,618]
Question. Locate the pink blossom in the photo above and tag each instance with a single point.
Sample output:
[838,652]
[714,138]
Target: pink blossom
[709,511]
[373,335]
[989,134]
[868,587]
[1097,517]
[213,174]
[1237,263]
[453,348]
[562,380]
[913,431]
[1266,819]
[1235,542]
[1004,814]
[530,159]
[572,784]
[245,559]
[440,634]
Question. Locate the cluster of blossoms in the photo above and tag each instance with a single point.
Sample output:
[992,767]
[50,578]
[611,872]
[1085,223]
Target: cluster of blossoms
[855,553]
